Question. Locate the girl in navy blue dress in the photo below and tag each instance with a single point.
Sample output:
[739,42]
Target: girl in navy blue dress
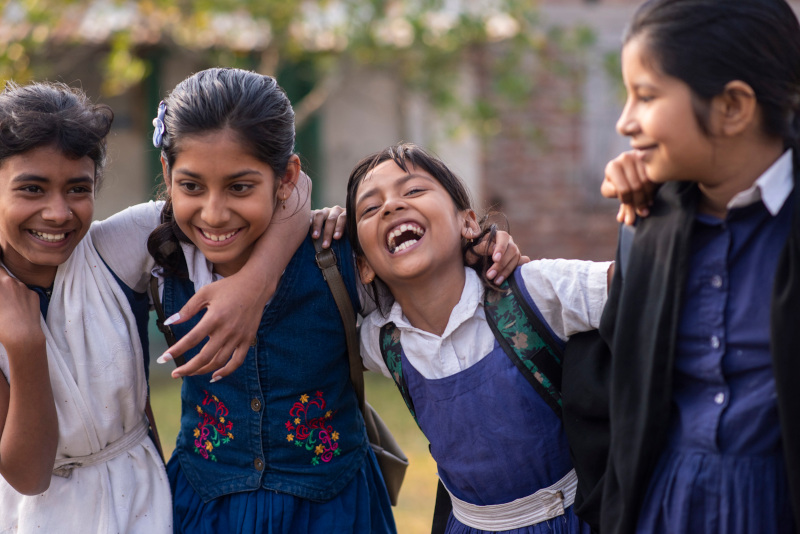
[499,445]
[703,319]
[278,445]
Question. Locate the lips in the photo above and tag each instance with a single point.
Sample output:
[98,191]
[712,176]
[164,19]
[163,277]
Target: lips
[218,237]
[403,236]
[49,237]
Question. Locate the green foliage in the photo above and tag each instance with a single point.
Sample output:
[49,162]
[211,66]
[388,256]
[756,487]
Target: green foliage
[423,42]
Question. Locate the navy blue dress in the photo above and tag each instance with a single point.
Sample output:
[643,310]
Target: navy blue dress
[723,468]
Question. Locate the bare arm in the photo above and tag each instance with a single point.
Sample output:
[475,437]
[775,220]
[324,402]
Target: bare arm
[236,303]
[28,420]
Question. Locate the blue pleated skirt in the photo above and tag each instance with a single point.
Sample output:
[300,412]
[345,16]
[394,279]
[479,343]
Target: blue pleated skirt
[702,492]
[361,507]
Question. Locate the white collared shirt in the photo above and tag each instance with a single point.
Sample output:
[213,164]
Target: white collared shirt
[773,187]
[570,294]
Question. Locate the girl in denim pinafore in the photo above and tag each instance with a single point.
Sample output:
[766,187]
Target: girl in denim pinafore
[279,445]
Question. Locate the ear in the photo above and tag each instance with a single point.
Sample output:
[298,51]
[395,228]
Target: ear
[289,180]
[470,229]
[365,270]
[166,175]
[735,109]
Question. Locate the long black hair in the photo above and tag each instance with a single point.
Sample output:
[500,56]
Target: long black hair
[252,106]
[53,114]
[708,43]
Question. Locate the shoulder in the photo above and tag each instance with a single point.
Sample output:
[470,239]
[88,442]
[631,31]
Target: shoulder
[370,334]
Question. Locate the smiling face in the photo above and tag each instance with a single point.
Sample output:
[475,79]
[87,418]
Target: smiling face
[223,197]
[408,225]
[46,207]
[659,118]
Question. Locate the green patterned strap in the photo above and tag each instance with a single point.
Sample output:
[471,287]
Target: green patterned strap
[392,352]
[526,341]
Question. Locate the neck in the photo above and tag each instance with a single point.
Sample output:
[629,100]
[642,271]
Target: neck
[29,274]
[738,173]
[427,304]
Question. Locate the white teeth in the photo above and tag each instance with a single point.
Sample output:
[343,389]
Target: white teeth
[405,244]
[49,237]
[215,237]
[394,234]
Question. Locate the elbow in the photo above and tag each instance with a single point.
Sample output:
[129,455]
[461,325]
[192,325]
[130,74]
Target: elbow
[33,486]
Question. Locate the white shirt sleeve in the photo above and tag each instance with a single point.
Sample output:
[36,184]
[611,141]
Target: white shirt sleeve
[570,294]
[370,343]
[121,240]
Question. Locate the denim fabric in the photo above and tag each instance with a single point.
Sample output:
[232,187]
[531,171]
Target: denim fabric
[287,420]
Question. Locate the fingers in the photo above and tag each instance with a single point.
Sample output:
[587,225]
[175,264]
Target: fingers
[330,222]
[626,179]
[506,256]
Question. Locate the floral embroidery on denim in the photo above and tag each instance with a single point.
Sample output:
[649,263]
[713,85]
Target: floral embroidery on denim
[212,430]
[309,427]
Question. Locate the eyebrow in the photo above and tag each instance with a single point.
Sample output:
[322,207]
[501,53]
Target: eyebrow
[35,178]
[374,191]
[234,176]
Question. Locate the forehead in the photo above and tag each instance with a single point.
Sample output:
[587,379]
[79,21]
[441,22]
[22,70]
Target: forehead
[46,162]
[638,59]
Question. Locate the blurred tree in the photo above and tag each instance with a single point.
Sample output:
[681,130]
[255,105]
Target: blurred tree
[424,42]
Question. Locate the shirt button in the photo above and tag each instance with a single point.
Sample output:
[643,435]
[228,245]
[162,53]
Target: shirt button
[254,342]
[719,398]
[714,342]
[255,404]
[716,281]
[259,464]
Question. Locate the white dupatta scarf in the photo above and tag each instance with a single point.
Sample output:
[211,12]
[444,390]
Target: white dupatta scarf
[97,374]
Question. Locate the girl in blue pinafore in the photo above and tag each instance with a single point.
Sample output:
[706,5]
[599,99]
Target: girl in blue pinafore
[279,445]
[500,449]
[705,408]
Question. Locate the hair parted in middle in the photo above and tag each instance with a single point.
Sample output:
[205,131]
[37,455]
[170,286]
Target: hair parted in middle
[252,106]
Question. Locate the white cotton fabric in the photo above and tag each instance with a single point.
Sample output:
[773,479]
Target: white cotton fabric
[570,294]
[97,374]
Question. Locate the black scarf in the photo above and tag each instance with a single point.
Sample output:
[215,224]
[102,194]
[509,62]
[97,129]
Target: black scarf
[639,325]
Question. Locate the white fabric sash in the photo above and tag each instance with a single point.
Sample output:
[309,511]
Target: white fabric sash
[546,503]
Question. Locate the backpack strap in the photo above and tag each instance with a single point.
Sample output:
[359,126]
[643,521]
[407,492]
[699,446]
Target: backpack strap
[392,351]
[526,340]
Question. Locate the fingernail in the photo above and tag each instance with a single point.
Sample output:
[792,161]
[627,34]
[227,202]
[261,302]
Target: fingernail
[176,374]
[171,319]
[315,234]
[491,274]
[337,235]
[215,379]
[325,243]
[497,256]
[499,280]
[164,358]
[644,212]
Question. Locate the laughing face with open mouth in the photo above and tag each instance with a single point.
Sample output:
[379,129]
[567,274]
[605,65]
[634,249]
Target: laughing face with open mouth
[409,227]
[47,203]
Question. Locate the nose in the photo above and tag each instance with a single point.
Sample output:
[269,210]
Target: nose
[57,210]
[393,204]
[626,124]
[215,212]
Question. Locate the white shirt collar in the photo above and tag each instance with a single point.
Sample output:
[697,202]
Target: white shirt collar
[471,298]
[773,187]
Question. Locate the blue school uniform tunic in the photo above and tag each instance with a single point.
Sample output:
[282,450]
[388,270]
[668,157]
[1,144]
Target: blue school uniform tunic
[279,445]
[723,468]
[493,437]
